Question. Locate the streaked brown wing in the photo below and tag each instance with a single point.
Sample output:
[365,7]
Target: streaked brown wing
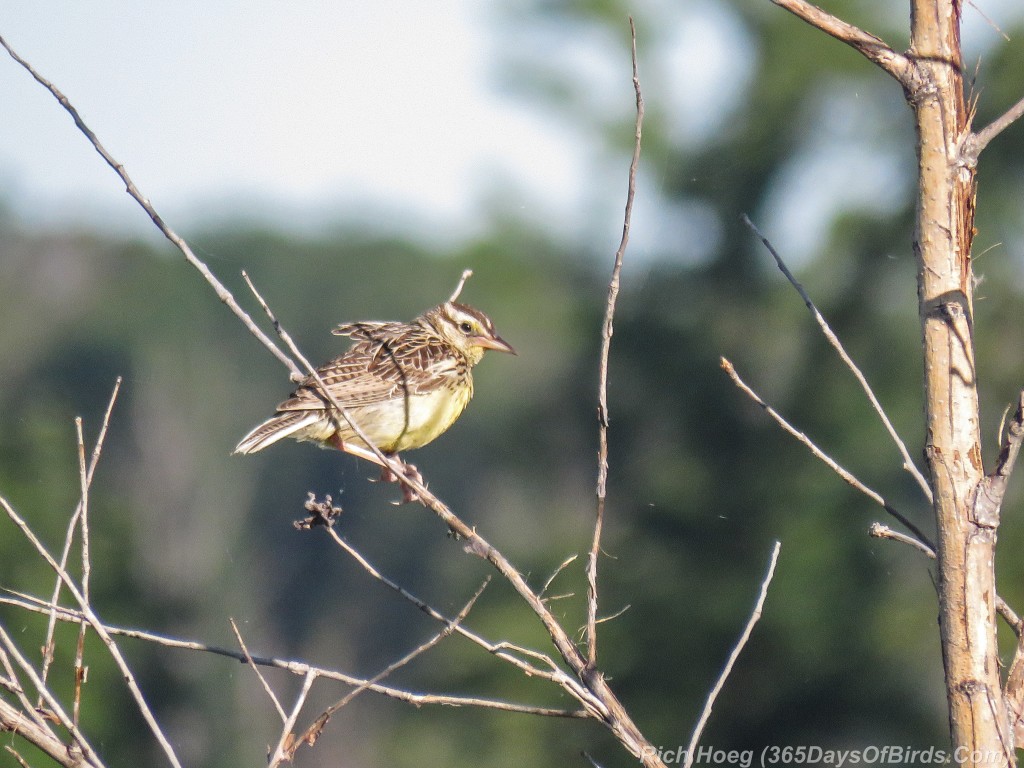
[376,370]
[371,331]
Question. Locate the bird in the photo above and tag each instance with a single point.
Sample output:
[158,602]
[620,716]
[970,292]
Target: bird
[403,384]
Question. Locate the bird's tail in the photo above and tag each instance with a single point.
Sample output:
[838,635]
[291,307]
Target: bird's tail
[276,428]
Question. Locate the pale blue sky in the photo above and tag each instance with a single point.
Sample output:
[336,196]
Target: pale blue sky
[307,113]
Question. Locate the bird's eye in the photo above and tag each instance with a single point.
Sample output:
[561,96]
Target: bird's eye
[466,327]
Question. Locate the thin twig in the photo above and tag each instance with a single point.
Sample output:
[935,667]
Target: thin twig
[830,336]
[754,617]
[300,668]
[83,520]
[880,531]
[31,712]
[222,293]
[847,476]
[87,752]
[976,142]
[48,647]
[108,641]
[312,733]
[543,590]
[284,745]
[602,387]
[256,670]
[492,648]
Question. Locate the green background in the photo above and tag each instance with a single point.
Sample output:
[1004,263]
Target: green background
[185,535]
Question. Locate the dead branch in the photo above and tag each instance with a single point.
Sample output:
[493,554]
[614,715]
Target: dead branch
[830,336]
[831,463]
[602,387]
[312,733]
[298,668]
[755,616]
[97,625]
[80,748]
[256,670]
[975,143]
[871,47]
[48,648]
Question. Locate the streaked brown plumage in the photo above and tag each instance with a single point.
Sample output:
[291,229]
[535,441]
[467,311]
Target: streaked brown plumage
[404,384]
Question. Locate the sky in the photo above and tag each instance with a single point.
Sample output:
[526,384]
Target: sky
[297,113]
[312,113]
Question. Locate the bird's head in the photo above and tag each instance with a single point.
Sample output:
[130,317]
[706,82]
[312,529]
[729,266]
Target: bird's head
[467,329]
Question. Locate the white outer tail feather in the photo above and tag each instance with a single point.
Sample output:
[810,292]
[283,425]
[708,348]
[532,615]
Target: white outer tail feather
[255,441]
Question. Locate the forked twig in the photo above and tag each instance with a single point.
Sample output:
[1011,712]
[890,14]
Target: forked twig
[602,388]
[300,668]
[311,734]
[48,647]
[52,703]
[831,463]
[691,750]
[908,462]
[259,675]
[97,625]
[285,743]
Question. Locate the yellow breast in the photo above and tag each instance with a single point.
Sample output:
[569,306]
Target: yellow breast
[411,422]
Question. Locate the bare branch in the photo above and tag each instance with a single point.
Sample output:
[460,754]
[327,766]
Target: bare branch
[831,463]
[497,649]
[880,531]
[312,733]
[97,625]
[14,721]
[48,648]
[565,563]
[256,670]
[83,520]
[81,743]
[602,387]
[873,48]
[975,143]
[300,668]
[285,744]
[691,750]
[222,293]
[908,462]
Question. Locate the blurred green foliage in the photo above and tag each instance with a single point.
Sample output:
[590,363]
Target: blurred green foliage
[186,535]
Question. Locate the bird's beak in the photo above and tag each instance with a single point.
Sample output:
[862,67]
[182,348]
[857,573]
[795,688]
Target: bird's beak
[496,343]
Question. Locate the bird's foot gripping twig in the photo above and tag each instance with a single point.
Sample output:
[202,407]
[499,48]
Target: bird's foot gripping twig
[409,472]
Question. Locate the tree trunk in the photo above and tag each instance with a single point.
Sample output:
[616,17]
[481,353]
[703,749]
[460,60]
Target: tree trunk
[966,541]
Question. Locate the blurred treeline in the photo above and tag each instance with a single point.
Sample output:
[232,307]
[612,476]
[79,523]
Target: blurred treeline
[185,535]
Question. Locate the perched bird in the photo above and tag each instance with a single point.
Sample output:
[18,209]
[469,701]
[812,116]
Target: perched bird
[404,384]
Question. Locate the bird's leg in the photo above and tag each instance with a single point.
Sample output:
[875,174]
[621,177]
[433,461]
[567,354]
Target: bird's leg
[386,474]
[410,472]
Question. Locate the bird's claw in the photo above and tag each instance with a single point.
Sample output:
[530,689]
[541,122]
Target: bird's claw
[409,472]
